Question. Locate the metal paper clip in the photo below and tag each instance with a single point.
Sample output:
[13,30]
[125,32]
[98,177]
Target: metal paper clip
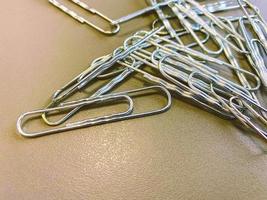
[244,104]
[113,98]
[255,56]
[115,27]
[114,24]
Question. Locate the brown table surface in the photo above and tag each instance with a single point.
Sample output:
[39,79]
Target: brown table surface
[186,153]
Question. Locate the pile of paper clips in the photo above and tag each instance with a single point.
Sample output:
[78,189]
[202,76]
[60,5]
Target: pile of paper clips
[193,71]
